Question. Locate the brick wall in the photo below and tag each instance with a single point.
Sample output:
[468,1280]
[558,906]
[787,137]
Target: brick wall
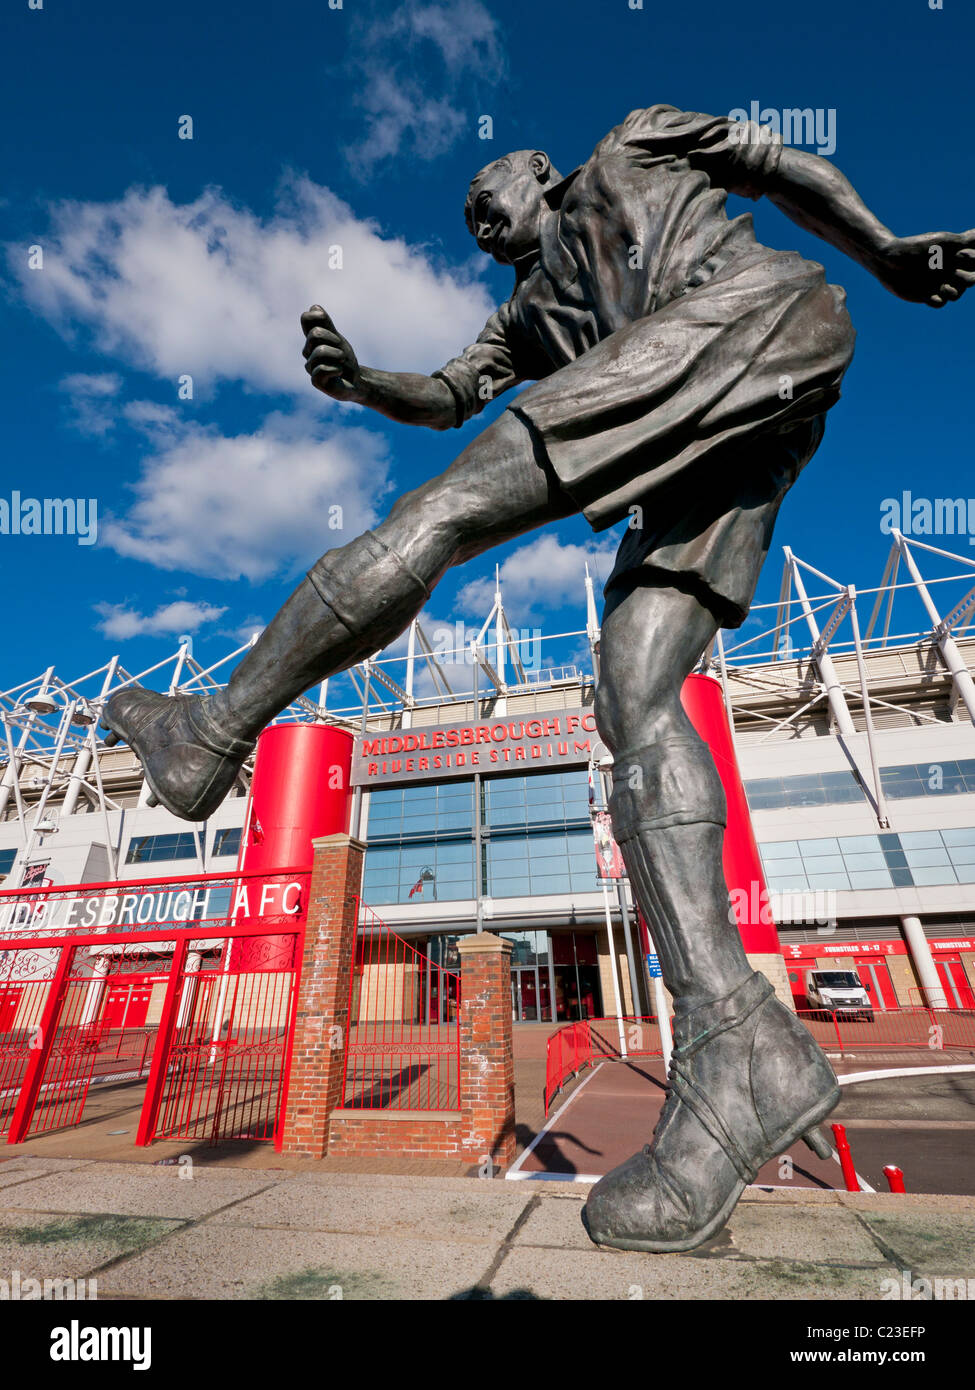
[483,1130]
[317,1061]
[315,1120]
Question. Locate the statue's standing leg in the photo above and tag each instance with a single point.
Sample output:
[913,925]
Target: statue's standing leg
[747,1078]
[356,600]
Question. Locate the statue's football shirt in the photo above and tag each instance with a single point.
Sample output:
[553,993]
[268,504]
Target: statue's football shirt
[665,340]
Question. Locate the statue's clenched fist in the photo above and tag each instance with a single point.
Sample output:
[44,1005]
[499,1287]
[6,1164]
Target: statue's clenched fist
[329,359]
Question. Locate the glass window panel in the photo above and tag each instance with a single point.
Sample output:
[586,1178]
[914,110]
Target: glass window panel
[934,875]
[456,892]
[550,883]
[452,850]
[858,844]
[227,841]
[779,849]
[921,839]
[824,864]
[811,796]
[814,849]
[795,867]
[878,878]
[964,836]
[961,854]
[507,849]
[951,785]
[763,801]
[865,861]
[510,888]
[419,797]
[824,880]
[926,858]
[782,883]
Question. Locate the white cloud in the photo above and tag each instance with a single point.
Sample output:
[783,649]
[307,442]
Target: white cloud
[210,289]
[544,573]
[250,505]
[90,400]
[410,106]
[120,623]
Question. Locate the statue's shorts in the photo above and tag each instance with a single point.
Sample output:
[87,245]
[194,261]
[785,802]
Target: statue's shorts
[691,425]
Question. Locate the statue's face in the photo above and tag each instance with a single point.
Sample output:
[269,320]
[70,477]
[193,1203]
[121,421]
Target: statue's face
[506,208]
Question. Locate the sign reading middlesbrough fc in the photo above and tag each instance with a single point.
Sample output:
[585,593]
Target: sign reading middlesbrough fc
[563,739]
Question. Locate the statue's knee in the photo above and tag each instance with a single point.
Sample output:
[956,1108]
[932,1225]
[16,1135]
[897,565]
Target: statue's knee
[670,780]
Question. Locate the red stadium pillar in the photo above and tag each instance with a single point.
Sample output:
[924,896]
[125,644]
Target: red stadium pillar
[703,699]
[299,793]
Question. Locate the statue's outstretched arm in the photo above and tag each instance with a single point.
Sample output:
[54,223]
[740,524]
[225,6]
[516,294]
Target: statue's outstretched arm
[928,269]
[408,397]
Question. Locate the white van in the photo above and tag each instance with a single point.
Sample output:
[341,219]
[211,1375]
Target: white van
[839,991]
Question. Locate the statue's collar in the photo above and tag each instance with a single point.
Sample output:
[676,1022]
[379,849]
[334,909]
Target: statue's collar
[552,254]
[554,195]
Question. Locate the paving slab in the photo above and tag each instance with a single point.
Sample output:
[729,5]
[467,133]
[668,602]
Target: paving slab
[42,1246]
[817,1234]
[134,1190]
[230,1262]
[531,1272]
[16,1170]
[469,1214]
[927,1242]
[554,1223]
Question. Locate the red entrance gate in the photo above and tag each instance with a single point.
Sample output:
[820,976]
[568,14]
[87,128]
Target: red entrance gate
[219,1058]
[229,1048]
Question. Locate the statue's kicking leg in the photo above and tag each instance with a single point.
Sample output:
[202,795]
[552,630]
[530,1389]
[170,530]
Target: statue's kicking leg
[355,601]
[747,1079]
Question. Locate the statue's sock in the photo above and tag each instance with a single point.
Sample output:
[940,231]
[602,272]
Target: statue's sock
[669,813]
[355,601]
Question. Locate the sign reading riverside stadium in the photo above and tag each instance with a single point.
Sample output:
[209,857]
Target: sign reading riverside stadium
[563,739]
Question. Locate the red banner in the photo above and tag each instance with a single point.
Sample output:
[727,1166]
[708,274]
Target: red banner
[609,860]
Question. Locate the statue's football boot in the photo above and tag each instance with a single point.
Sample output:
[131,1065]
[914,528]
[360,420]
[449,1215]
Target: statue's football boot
[189,762]
[746,1082]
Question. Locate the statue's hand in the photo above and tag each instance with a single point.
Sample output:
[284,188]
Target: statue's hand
[329,359]
[928,269]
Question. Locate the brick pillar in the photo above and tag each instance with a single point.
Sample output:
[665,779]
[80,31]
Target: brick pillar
[315,1086]
[487,1077]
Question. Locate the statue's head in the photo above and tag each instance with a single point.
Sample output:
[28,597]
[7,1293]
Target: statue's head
[504,204]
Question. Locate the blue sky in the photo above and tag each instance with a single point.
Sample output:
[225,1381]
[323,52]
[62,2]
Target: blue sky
[358,127]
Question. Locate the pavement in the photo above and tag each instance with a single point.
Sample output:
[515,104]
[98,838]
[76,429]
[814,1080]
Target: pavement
[201,1231]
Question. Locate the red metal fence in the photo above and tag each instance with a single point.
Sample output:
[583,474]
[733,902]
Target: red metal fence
[402,1051]
[578,1045]
[937,1029]
[216,958]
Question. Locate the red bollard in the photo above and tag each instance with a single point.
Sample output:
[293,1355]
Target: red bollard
[846,1158]
[895,1178]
